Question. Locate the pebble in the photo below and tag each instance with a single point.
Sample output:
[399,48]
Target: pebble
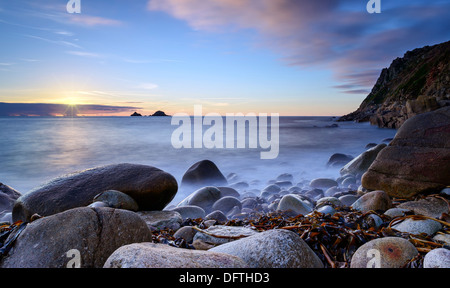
[348,200]
[162,219]
[428,226]
[204,198]
[117,199]
[272,249]
[272,189]
[323,183]
[294,203]
[396,212]
[285,177]
[446,191]
[191,212]
[223,231]
[226,204]
[187,233]
[388,252]
[327,209]
[376,200]
[334,202]
[437,258]
[217,215]
[442,238]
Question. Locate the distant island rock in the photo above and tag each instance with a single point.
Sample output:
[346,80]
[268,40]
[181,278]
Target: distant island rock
[160,114]
[135,114]
[417,83]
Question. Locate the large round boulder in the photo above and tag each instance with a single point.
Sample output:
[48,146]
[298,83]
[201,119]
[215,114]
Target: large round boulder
[203,173]
[82,237]
[150,187]
[417,160]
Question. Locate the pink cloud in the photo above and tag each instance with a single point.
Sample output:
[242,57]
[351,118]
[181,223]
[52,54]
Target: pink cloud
[339,34]
[87,20]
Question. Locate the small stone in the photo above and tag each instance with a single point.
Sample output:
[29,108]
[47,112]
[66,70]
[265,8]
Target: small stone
[331,191]
[334,202]
[227,191]
[272,189]
[118,200]
[442,238]
[285,177]
[162,219]
[396,212]
[98,204]
[190,212]
[437,258]
[226,204]
[217,215]
[446,191]
[204,198]
[416,227]
[348,200]
[376,200]
[226,233]
[327,209]
[187,233]
[314,194]
[249,203]
[294,202]
[388,252]
[323,183]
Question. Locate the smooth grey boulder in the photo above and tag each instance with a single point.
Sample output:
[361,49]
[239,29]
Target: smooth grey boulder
[203,173]
[361,163]
[190,212]
[204,198]
[323,183]
[375,200]
[417,161]
[272,249]
[437,258]
[150,187]
[295,204]
[226,204]
[94,232]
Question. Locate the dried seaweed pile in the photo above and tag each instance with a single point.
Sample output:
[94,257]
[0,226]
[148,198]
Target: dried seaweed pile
[334,238]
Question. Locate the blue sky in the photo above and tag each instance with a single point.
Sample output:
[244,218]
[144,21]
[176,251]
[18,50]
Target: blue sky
[293,57]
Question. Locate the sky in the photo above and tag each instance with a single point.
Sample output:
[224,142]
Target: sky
[292,57]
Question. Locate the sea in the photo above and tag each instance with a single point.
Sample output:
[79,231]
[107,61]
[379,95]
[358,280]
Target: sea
[33,150]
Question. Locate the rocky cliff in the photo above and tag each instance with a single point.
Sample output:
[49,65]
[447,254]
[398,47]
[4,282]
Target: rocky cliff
[417,83]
